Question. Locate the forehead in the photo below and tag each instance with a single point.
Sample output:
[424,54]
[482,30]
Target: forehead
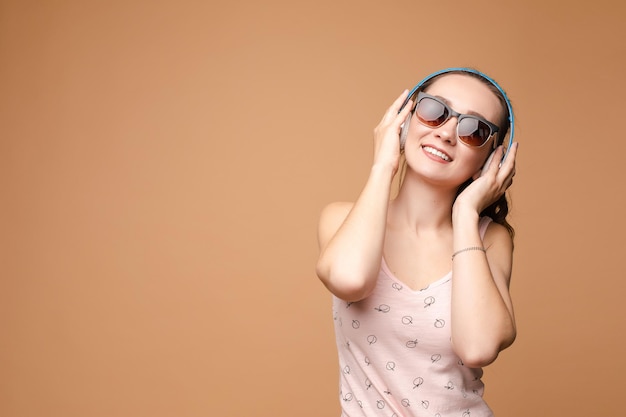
[466,94]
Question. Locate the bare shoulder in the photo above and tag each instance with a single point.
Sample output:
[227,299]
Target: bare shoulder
[337,209]
[331,218]
[497,234]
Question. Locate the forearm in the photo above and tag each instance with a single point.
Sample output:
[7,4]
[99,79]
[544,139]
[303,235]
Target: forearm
[350,262]
[482,319]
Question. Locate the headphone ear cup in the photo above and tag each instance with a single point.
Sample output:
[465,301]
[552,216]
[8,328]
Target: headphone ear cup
[405,131]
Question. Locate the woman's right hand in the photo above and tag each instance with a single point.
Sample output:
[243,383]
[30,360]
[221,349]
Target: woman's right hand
[387,133]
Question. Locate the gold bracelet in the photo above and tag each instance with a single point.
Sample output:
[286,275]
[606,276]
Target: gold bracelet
[466,249]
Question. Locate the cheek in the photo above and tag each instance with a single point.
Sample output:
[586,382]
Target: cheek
[472,160]
[417,130]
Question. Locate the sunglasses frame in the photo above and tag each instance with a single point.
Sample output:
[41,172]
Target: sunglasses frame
[493,129]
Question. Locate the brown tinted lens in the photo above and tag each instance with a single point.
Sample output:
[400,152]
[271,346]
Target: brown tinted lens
[472,131]
[431,112]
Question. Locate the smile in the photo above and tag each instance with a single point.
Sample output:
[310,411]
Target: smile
[435,152]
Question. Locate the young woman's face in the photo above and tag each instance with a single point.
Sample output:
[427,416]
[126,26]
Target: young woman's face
[437,152]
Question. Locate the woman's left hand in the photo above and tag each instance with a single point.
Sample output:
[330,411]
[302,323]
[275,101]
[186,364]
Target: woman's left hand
[491,183]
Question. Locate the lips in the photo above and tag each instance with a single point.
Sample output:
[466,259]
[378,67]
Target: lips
[437,153]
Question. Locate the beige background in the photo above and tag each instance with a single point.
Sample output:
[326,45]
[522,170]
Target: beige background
[163,164]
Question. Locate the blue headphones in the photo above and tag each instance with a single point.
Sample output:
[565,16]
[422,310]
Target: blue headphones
[413,91]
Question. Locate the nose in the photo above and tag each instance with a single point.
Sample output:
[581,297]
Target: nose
[447,131]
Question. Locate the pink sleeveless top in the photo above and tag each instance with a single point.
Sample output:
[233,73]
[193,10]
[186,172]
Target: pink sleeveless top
[395,354]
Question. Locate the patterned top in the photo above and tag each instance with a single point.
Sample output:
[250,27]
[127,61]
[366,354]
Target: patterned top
[395,354]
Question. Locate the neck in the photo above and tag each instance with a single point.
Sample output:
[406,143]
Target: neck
[421,205]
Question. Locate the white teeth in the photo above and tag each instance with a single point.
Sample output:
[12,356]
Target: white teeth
[435,152]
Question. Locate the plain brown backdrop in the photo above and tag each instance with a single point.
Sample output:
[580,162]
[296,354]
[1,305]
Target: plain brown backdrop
[163,165]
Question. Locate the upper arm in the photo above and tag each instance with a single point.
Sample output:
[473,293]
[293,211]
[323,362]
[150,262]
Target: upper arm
[499,246]
[499,251]
[344,264]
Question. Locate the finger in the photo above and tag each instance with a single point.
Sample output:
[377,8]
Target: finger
[400,100]
[404,113]
[507,184]
[401,118]
[509,159]
[396,106]
[507,168]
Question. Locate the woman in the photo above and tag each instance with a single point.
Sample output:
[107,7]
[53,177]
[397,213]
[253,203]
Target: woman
[421,281]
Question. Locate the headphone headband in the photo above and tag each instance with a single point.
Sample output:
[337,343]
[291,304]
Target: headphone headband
[484,76]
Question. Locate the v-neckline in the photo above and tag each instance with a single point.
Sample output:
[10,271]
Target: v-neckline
[433,284]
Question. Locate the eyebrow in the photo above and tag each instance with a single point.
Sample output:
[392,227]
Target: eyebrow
[471,112]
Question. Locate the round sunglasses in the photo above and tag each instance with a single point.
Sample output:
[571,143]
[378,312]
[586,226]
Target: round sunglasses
[471,129]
